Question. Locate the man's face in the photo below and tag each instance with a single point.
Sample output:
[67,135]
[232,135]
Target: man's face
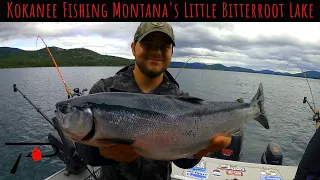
[153,53]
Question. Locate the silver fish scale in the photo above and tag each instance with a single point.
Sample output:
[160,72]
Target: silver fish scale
[163,127]
[127,124]
[177,132]
[159,104]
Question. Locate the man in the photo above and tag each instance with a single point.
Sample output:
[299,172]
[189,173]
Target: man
[152,48]
[309,166]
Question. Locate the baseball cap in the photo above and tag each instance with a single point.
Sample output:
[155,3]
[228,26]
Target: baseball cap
[146,28]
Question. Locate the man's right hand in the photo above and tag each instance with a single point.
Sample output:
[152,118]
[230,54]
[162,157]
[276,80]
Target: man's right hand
[120,153]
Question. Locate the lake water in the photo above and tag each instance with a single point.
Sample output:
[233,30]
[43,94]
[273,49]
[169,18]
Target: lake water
[291,124]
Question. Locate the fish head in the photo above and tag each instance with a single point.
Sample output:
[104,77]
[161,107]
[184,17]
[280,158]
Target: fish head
[75,118]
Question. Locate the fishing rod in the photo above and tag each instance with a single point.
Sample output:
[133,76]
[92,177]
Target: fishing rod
[70,156]
[54,122]
[185,65]
[72,159]
[316,116]
[15,89]
[54,62]
[315,110]
[75,90]
[67,149]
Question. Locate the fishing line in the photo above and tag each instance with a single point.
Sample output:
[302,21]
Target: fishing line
[64,82]
[185,65]
[314,106]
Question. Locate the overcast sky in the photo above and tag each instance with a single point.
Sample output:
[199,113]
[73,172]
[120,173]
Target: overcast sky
[250,45]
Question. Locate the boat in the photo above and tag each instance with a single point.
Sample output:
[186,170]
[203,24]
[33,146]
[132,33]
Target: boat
[209,169]
[224,164]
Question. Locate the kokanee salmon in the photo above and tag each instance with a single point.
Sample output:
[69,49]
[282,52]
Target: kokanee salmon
[159,127]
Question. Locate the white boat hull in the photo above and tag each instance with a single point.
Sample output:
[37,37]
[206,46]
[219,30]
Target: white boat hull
[209,169]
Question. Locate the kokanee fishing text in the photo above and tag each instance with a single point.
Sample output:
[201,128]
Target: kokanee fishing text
[119,10]
[169,10]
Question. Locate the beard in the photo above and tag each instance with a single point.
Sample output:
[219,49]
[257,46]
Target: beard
[151,74]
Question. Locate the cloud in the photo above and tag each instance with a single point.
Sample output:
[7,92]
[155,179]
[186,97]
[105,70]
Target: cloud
[250,45]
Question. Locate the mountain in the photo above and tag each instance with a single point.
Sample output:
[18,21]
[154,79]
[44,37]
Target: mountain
[18,58]
[7,51]
[309,74]
[189,65]
[240,69]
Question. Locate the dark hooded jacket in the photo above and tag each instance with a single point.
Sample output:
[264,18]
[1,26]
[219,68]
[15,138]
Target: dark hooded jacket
[309,166]
[141,168]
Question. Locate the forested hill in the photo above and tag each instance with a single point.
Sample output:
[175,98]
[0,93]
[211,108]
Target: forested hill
[18,58]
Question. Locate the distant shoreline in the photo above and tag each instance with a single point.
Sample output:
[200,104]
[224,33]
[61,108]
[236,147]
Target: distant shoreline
[291,75]
[13,58]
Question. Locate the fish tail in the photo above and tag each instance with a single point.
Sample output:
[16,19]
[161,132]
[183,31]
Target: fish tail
[258,100]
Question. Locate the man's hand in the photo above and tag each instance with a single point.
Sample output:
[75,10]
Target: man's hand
[120,153]
[218,142]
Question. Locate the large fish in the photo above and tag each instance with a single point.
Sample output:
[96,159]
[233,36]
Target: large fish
[159,127]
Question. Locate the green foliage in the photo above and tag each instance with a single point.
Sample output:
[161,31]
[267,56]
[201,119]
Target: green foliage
[17,58]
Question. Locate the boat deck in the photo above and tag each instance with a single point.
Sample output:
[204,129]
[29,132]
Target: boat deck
[209,169]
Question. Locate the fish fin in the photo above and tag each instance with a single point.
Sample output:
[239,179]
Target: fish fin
[190,99]
[116,141]
[258,100]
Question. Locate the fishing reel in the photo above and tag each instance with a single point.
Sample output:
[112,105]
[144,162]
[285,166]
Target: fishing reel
[77,92]
[316,116]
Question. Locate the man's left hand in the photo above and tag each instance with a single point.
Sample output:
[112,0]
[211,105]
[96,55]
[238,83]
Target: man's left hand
[218,142]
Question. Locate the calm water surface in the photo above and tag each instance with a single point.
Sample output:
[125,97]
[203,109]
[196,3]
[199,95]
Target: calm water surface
[291,124]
